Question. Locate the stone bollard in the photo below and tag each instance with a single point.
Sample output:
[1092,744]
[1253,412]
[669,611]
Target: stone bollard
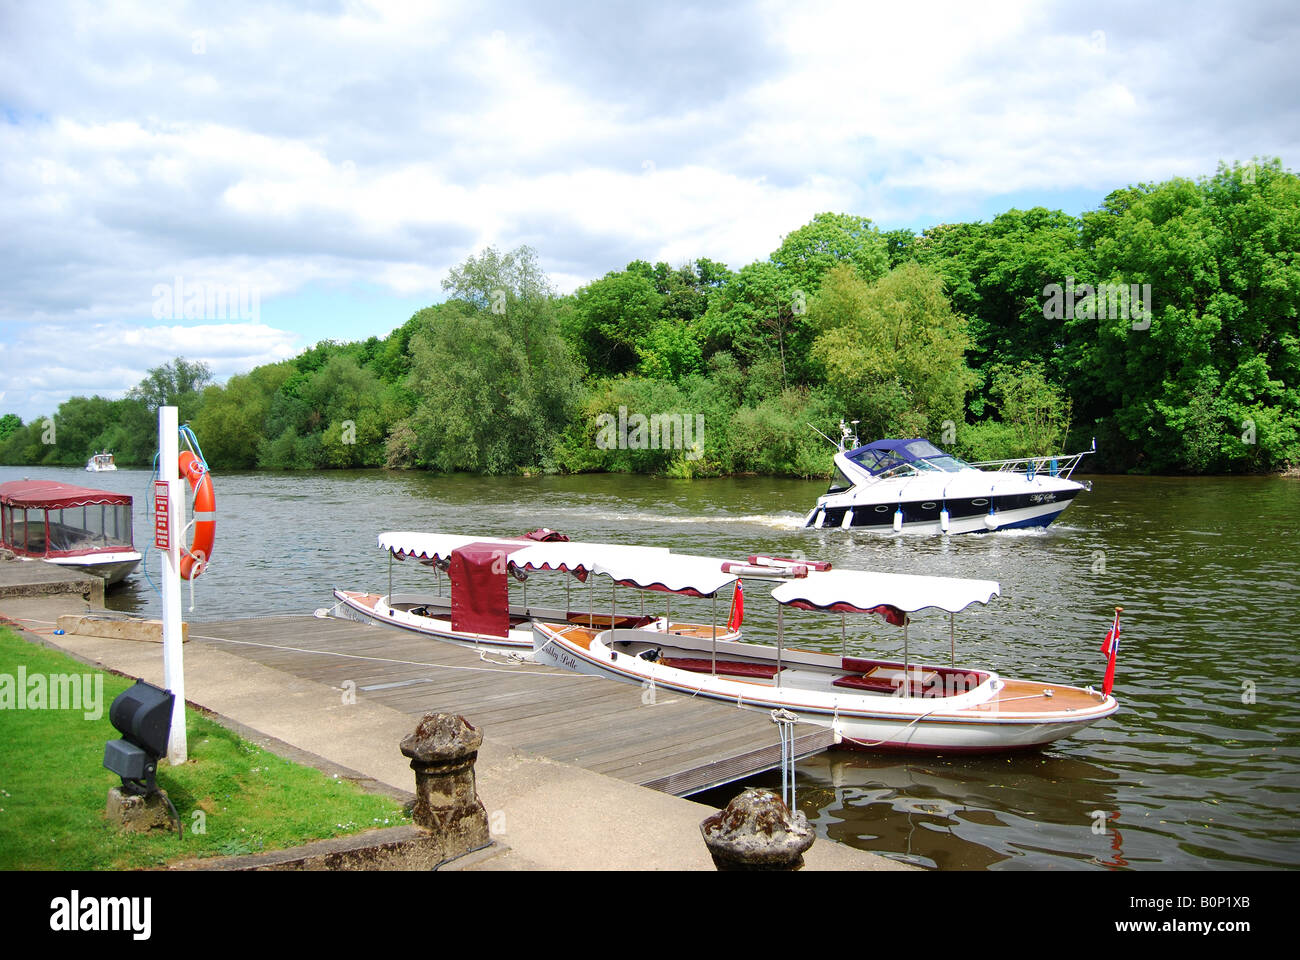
[138,813]
[756,831]
[443,749]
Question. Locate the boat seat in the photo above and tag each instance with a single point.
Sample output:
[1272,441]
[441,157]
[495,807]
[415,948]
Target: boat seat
[875,684]
[859,682]
[735,668]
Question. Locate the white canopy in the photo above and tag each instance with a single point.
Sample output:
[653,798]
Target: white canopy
[434,546]
[858,589]
[674,573]
[523,553]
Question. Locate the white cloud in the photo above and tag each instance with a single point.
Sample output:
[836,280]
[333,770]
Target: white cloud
[42,367]
[381,143]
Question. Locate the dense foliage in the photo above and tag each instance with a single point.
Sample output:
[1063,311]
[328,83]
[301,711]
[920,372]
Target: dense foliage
[1163,323]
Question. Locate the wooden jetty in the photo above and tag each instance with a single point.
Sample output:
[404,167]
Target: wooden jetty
[669,743]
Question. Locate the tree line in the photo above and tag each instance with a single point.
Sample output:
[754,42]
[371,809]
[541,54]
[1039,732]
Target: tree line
[1164,324]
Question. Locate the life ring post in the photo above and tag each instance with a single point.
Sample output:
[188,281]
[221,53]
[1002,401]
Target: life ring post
[173,651]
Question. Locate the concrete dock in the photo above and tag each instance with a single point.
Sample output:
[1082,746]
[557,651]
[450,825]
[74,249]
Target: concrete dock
[564,789]
[36,578]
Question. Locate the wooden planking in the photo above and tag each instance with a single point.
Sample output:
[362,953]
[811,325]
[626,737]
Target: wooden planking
[678,744]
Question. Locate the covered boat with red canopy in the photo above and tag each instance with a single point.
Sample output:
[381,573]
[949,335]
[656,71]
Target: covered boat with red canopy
[69,525]
[477,609]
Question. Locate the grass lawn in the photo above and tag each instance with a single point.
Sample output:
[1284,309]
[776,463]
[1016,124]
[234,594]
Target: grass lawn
[233,797]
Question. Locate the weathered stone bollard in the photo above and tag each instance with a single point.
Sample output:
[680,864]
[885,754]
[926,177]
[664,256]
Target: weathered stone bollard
[138,813]
[443,749]
[756,831]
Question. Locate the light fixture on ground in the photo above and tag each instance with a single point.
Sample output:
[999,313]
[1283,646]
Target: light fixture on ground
[143,715]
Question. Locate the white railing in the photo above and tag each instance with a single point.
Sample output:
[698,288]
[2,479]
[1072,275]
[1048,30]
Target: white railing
[1058,466]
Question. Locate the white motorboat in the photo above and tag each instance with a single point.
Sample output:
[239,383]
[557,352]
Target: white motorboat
[911,485]
[870,703]
[70,526]
[476,609]
[101,462]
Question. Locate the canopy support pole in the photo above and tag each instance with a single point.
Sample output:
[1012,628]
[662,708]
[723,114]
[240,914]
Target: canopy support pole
[907,682]
[952,639]
[714,668]
[568,580]
[668,614]
[844,638]
[613,608]
[390,579]
[780,639]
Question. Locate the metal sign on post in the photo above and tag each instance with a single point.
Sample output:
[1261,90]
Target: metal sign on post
[161,516]
[166,537]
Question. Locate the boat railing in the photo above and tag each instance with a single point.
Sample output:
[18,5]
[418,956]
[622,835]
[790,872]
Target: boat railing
[1053,466]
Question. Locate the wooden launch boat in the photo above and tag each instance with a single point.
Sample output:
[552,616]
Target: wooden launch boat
[870,703]
[477,610]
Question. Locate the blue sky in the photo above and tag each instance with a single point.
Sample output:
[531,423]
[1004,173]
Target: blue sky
[315,169]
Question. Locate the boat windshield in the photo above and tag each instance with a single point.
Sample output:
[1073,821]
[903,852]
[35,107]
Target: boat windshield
[891,457]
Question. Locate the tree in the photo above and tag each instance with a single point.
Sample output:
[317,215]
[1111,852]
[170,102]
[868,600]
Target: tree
[173,384]
[9,423]
[829,240]
[893,351]
[610,318]
[1209,378]
[231,422]
[494,380]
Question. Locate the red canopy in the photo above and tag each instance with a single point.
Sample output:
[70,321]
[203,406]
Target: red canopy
[480,594]
[48,495]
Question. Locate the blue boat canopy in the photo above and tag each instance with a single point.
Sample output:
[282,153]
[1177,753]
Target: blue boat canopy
[885,455]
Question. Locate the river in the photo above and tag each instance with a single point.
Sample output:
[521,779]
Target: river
[1198,770]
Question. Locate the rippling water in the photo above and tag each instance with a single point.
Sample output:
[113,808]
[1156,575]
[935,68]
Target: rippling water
[1198,769]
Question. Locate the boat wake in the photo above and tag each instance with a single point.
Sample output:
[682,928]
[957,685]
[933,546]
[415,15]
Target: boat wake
[779,521]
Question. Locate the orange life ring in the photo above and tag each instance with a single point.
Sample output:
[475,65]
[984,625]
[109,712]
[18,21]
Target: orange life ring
[195,557]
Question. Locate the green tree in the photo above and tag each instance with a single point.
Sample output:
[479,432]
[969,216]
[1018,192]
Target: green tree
[176,383]
[893,351]
[494,380]
[829,240]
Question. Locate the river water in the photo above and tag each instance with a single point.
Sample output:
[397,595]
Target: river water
[1199,769]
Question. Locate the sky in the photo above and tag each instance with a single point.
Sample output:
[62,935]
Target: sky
[234,182]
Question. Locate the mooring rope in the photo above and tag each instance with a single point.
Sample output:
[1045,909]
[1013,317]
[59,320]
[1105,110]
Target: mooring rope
[356,656]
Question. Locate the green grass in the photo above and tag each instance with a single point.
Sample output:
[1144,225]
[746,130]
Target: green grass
[53,787]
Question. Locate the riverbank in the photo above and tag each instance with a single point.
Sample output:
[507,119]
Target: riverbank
[547,815]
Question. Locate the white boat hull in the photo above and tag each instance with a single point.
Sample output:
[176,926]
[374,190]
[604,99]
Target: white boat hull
[980,720]
[374,608]
[113,567]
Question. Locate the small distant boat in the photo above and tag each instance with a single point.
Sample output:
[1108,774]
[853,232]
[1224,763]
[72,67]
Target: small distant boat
[911,485]
[101,462]
[477,610]
[70,526]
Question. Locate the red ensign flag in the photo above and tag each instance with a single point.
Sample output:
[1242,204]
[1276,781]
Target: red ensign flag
[1110,647]
[737,609]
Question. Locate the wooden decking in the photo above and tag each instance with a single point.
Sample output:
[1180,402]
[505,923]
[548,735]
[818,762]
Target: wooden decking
[677,745]
[1026,696]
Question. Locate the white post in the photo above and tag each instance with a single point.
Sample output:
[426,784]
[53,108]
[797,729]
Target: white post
[173,660]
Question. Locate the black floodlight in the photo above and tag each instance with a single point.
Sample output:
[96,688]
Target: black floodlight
[143,715]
